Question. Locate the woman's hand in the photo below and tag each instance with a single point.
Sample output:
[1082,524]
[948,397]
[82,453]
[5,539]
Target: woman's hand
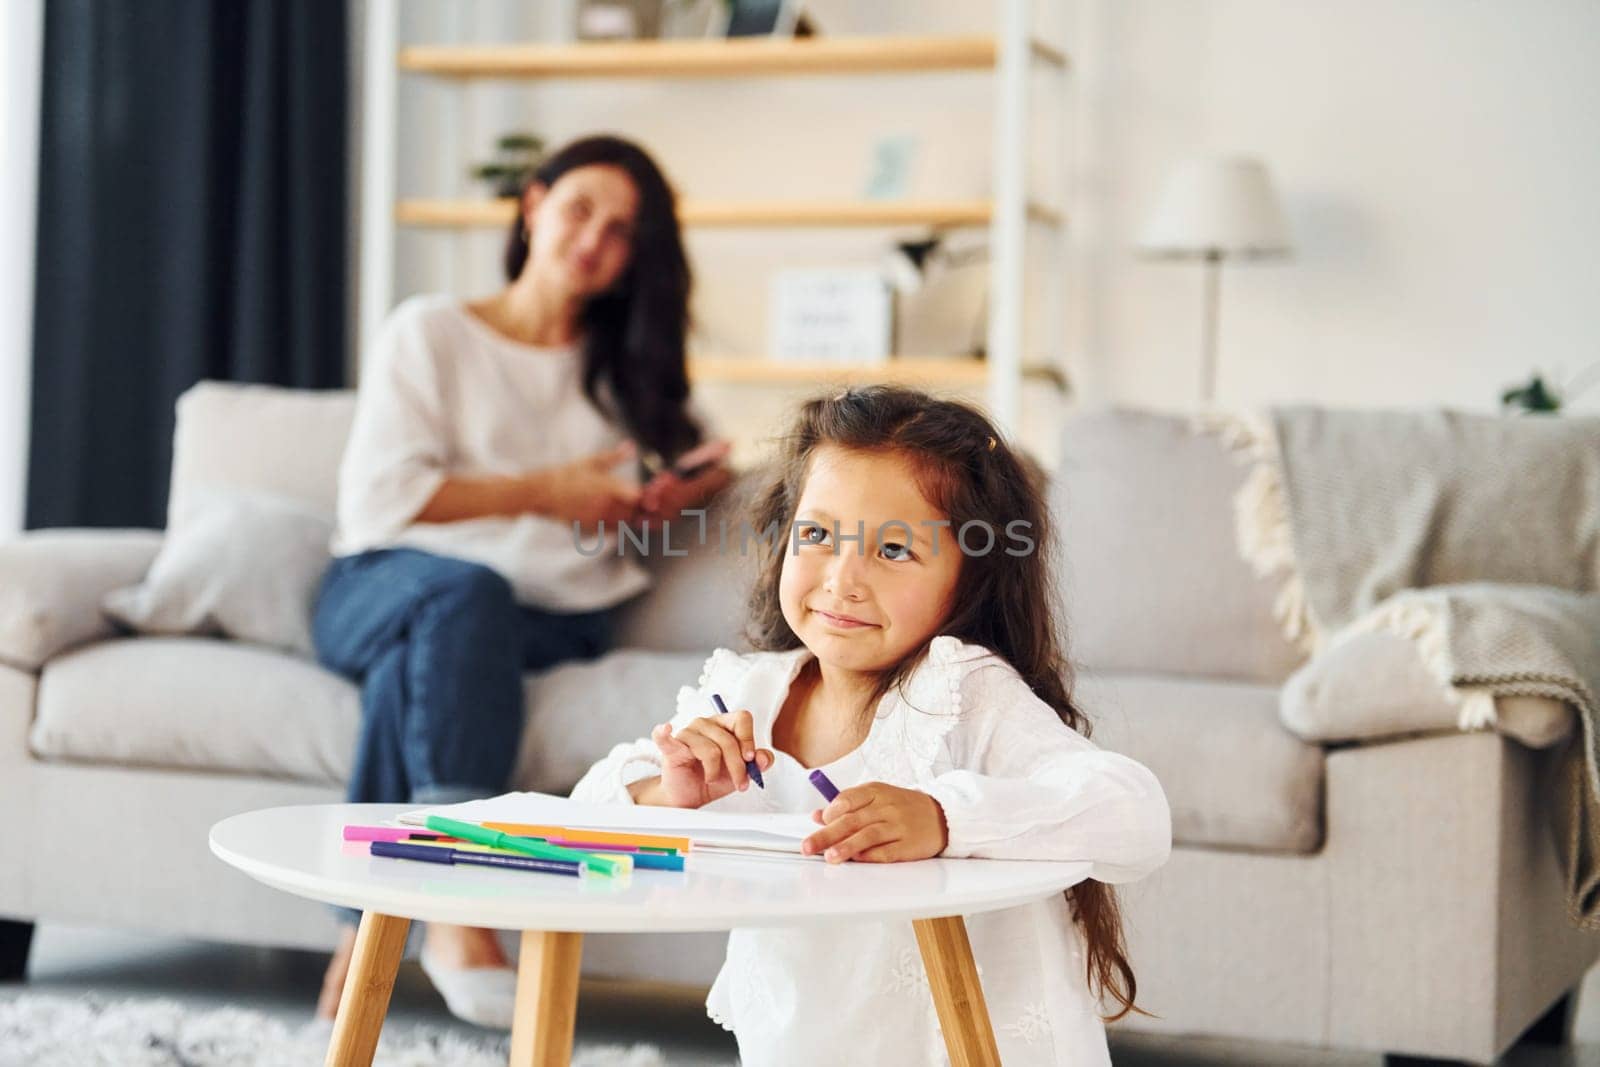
[668,493]
[878,823]
[704,761]
[587,491]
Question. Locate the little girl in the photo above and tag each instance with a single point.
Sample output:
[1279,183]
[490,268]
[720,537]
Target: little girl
[909,649]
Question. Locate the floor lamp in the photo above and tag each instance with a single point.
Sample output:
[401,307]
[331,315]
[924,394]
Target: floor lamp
[1214,209]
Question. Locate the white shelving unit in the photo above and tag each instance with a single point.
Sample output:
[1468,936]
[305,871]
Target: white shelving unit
[1010,55]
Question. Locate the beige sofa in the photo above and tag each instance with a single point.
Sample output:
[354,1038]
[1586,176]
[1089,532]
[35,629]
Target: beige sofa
[1398,895]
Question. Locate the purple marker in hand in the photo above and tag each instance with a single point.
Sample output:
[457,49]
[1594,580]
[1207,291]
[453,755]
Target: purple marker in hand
[825,787]
[750,765]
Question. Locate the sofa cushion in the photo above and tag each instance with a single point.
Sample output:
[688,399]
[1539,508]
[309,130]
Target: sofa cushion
[1234,777]
[578,711]
[261,437]
[199,704]
[221,706]
[1151,578]
[246,565]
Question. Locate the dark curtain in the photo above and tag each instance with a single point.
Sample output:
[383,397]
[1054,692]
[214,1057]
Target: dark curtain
[192,217]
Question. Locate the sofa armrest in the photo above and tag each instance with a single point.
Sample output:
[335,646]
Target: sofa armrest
[19,691]
[1440,861]
[52,582]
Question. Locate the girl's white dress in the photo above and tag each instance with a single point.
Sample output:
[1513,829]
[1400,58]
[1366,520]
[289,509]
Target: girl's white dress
[1014,782]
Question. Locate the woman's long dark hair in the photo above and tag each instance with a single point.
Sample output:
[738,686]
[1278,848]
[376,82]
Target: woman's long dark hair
[968,472]
[634,332]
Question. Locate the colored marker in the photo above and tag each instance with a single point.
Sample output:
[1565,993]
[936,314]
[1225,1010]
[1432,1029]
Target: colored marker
[586,846]
[435,854]
[617,864]
[657,861]
[749,764]
[652,861]
[382,833]
[825,787]
[577,838]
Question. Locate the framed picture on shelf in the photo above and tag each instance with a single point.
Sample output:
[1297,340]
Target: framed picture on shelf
[832,316]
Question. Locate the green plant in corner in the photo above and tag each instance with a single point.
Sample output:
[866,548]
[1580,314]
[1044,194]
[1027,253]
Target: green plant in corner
[517,156]
[1535,397]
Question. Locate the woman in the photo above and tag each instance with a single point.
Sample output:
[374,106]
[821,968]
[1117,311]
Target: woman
[486,435]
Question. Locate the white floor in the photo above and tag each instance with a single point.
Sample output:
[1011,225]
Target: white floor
[284,984]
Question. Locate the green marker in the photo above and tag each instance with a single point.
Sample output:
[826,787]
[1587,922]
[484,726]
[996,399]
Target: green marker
[466,831]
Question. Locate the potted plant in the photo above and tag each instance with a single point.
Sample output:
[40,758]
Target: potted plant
[517,156]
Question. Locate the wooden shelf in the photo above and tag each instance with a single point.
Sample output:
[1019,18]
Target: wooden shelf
[745,214]
[1011,60]
[715,57]
[947,372]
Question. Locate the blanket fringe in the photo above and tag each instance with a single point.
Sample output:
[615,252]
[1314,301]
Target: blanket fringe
[1424,626]
[1261,520]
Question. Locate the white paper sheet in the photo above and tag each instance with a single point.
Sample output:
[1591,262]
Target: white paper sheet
[723,831]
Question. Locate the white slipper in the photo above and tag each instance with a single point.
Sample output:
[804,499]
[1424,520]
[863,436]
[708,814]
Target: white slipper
[486,996]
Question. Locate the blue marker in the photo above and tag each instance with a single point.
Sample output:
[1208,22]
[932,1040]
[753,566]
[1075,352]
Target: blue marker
[749,764]
[435,854]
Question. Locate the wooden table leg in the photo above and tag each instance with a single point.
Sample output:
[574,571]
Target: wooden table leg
[953,977]
[547,999]
[380,942]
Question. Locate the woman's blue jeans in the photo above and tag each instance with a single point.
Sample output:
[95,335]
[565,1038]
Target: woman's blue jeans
[438,646]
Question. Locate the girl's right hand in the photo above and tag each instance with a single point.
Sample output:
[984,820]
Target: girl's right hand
[705,760]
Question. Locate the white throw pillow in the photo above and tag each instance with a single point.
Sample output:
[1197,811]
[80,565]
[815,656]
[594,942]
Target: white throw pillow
[241,565]
[1374,685]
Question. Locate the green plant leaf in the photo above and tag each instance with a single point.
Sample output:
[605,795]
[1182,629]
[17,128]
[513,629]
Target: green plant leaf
[520,141]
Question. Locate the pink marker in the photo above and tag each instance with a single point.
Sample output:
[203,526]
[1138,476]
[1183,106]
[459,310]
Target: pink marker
[387,833]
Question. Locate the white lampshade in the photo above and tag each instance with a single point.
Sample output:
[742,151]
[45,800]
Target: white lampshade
[1222,206]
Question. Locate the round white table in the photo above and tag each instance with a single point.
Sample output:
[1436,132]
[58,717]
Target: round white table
[301,850]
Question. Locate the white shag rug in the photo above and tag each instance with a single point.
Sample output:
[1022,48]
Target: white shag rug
[42,1030]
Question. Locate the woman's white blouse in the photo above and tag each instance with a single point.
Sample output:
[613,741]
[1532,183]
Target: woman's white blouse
[1014,782]
[443,394]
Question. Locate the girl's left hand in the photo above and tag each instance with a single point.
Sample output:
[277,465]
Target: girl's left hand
[878,823]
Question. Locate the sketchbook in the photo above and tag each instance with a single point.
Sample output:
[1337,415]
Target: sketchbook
[724,833]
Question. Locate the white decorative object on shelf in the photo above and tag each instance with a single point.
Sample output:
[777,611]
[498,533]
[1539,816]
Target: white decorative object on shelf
[941,288]
[836,315]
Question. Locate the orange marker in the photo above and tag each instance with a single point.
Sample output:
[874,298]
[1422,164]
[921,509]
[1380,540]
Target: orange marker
[578,838]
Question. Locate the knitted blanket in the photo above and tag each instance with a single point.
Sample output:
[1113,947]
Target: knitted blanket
[1476,537]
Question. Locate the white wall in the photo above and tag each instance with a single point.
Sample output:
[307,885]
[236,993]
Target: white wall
[1439,160]
[21,44]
